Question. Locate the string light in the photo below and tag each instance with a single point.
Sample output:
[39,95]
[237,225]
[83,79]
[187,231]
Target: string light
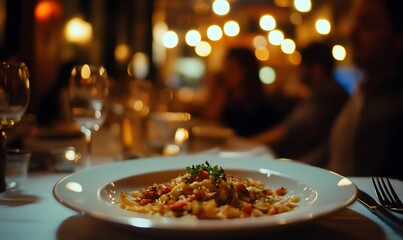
[214,33]
[267,22]
[323,26]
[303,5]
[193,37]
[276,37]
[288,46]
[231,28]
[339,52]
[170,39]
[203,49]
[221,7]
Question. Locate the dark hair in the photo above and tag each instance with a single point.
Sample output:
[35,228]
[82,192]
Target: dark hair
[250,65]
[318,52]
[395,12]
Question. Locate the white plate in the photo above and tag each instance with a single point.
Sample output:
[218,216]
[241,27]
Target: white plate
[94,190]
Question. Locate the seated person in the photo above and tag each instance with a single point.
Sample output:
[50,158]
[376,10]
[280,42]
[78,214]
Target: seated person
[237,97]
[304,132]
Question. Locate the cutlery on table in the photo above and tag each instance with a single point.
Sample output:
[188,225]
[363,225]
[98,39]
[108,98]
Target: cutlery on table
[387,195]
[380,211]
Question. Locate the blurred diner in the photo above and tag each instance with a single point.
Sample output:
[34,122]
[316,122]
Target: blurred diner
[303,135]
[237,97]
[366,138]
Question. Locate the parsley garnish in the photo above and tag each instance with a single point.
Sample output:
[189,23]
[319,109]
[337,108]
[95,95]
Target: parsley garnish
[216,173]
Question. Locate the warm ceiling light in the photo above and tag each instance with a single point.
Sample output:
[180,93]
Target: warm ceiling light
[323,26]
[259,41]
[203,49]
[303,5]
[78,31]
[122,52]
[231,28]
[288,46]
[276,37]
[47,9]
[295,58]
[214,33]
[221,7]
[267,75]
[267,22]
[339,52]
[193,37]
[170,39]
[262,53]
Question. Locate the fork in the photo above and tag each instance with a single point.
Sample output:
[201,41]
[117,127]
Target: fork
[386,194]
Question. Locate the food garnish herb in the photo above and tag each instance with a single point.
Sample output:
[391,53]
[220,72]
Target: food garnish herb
[198,173]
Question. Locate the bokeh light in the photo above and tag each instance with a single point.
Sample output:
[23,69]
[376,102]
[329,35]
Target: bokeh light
[193,37]
[262,53]
[231,28]
[259,41]
[267,75]
[214,33]
[295,58]
[203,49]
[221,7]
[323,26]
[303,5]
[78,31]
[339,52]
[170,39]
[122,52]
[267,22]
[276,37]
[288,46]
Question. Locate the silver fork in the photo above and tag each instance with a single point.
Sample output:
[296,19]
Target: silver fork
[386,194]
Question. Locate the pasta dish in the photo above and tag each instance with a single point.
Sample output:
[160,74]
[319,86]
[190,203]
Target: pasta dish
[208,192]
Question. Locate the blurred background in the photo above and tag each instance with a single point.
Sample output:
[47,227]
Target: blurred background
[172,44]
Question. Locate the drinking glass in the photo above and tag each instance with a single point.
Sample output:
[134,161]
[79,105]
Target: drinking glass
[14,98]
[88,92]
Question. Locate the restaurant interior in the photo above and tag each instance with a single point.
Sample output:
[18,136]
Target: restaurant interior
[149,74]
[151,38]
[161,54]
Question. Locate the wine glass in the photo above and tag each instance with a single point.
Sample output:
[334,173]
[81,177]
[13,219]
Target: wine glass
[14,98]
[88,93]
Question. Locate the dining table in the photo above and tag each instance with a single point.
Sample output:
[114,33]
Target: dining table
[35,213]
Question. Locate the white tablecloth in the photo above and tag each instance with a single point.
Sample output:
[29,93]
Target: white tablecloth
[36,214]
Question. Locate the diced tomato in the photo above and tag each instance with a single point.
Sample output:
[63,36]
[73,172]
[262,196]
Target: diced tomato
[151,193]
[202,175]
[178,206]
[170,202]
[281,191]
[242,189]
[145,201]
[165,189]
[268,191]
[247,209]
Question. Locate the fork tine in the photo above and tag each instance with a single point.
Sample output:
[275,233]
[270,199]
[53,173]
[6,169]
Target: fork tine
[395,197]
[376,183]
[385,191]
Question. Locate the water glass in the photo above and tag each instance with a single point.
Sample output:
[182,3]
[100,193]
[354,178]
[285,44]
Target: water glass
[17,168]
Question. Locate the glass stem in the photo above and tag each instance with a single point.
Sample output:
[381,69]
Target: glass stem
[88,139]
[3,156]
